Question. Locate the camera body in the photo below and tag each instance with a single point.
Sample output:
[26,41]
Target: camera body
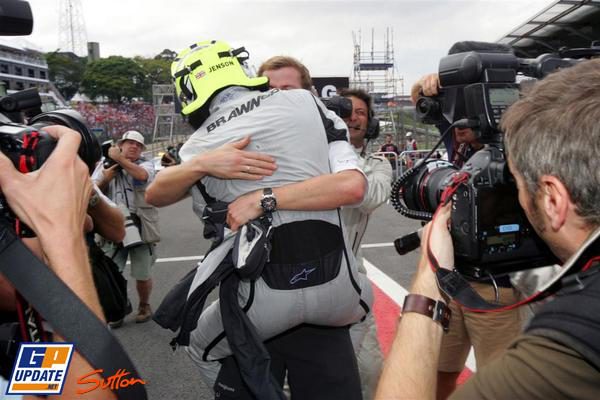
[28,146]
[490,231]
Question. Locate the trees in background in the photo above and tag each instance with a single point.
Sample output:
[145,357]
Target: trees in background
[65,70]
[115,78]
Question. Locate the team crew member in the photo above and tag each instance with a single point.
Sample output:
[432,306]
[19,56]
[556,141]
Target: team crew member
[362,127]
[311,275]
[558,356]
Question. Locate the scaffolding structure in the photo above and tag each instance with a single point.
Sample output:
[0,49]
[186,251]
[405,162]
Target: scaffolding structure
[72,35]
[167,120]
[374,70]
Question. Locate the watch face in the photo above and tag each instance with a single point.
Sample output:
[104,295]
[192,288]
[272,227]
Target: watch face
[268,203]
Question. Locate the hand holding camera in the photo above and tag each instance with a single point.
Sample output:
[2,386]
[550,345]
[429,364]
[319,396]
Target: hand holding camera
[63,181]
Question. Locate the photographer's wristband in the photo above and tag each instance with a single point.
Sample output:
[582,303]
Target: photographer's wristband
[436,310]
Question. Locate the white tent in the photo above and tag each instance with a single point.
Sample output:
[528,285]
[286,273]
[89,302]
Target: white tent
[80,98]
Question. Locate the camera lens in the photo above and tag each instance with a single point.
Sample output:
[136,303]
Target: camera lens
[89,150]
[422,191]
[428,109]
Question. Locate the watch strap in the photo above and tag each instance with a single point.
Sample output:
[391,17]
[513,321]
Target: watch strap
[436,310]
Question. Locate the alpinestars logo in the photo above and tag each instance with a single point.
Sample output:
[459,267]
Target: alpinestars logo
[40,368]
[301,276]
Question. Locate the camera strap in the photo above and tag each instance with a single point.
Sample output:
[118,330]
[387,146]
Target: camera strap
[26,159]
[65,311]
[30,322]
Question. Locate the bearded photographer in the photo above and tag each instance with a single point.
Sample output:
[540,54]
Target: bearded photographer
[558,356]
[58,221]
[125,183]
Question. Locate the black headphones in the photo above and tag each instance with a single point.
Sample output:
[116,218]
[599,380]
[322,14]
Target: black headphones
[372,125]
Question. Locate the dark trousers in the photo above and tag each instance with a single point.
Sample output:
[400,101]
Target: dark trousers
[320,365]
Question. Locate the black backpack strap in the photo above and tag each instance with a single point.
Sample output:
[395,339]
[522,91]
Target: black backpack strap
[248,349]
[65,311]
[333,133]
[207,197]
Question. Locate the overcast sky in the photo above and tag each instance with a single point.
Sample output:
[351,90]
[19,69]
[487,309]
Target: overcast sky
[319,33]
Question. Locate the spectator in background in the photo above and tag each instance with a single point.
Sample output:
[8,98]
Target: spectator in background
[410,145]
[117,118]
[389,147]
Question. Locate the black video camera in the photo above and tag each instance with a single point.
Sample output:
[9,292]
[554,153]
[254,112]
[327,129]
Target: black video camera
[342,106]
[490,232]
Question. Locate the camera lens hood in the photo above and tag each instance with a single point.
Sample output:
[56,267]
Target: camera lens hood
[89,150]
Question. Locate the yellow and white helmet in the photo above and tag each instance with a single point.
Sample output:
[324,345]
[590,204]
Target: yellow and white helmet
[204,69]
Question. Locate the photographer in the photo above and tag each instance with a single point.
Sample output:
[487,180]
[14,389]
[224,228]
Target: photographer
[58,221]
[558,356]
[125,183]
[488,334]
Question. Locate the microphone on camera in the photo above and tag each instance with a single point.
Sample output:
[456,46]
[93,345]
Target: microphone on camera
[408,243]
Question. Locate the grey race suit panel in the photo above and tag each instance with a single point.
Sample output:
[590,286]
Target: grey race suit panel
[285,124]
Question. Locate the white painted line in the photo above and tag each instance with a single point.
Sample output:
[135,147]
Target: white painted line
[397,293]
[198,258]
[471,363]
[176,259]
[389,286]
[374,245]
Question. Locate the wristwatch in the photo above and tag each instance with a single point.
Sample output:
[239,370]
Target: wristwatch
[268,202]
[436,310]
[94,199]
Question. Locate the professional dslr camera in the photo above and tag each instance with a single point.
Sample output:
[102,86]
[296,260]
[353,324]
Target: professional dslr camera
[28,146]
[490,232]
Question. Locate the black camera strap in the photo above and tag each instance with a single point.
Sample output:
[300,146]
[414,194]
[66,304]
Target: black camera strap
[67,314]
